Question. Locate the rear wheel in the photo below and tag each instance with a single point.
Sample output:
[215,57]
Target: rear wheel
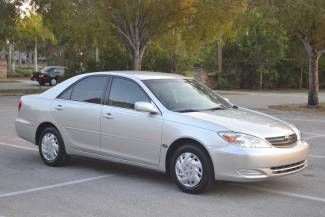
[51,147]
[191,169]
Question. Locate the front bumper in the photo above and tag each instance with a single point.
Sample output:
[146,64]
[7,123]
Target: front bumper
[233,163]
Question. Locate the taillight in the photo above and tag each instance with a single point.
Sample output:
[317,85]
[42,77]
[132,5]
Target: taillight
[41,75]
[19,104]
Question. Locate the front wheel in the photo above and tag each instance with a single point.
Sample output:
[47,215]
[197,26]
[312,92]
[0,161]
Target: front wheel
[192,169]
[53,82]
[51,147]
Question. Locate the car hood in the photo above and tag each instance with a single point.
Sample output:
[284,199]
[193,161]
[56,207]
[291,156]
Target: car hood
[246,121]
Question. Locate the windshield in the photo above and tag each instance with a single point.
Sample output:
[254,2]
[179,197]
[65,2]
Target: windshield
[185,95]
[47,70]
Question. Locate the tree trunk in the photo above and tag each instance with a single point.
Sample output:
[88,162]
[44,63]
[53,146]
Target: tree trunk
[137,59]
[301,74]
[19,57]
[10,58]
[35,56]
[313,78]
[219,57]
[13,67]
[97,54]
[261,79]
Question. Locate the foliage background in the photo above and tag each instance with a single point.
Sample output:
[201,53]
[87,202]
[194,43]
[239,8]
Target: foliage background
[254,42]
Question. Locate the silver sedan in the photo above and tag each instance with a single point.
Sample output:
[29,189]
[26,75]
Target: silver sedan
[159,121]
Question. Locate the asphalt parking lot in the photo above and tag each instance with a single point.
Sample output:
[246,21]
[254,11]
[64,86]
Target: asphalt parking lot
[86,187]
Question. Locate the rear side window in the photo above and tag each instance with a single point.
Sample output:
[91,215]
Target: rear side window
[89,90]
[124,93]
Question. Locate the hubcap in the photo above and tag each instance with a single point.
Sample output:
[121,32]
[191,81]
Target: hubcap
[53,82]
[50,146]
[188,169]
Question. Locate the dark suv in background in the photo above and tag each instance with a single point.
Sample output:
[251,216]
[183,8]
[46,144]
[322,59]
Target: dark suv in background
[49,74]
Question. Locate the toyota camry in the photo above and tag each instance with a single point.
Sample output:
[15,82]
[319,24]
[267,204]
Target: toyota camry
[159,121]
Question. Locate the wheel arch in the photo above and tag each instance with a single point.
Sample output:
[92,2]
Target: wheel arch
[179,142]
[40,129]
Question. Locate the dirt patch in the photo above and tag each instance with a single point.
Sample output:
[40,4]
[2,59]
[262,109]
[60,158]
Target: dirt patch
[300,108]
[20,92]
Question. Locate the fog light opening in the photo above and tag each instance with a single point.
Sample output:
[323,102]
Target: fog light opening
[250,173]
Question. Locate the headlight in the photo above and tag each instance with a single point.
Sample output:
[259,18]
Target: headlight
[244,140]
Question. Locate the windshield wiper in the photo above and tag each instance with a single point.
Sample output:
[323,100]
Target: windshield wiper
[187,110]
[219,107]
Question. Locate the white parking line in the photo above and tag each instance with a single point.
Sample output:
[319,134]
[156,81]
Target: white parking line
[314,134]
[314,137]
[303,120]
[15,193]
[18,146]
[283,193]
[317,156]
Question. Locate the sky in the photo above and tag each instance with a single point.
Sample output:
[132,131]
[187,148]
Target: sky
[26,7]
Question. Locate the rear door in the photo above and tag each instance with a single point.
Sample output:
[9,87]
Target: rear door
[77,111]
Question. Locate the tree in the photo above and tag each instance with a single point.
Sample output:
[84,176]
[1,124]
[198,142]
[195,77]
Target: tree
[214,22]
[8,17]
[32,25]
[137,22]
[81,31]
[306,20]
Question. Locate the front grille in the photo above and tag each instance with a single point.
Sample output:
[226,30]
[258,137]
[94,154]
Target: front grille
[288,168]
[282,141]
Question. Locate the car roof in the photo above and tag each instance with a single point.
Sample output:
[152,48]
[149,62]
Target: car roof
[48,67]
[135,75]
[141,75]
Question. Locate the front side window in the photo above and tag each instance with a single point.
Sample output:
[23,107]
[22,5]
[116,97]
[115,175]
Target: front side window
[66,94]
[89,90]
[124,93]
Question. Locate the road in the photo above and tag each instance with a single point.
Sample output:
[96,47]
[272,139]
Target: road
[86,187]
[22,84]
[261,99]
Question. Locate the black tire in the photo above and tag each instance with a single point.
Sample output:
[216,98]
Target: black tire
[207,178]
[53,81]
[61,156]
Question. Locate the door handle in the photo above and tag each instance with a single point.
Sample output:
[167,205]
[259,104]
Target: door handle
[59,107]
[108,116]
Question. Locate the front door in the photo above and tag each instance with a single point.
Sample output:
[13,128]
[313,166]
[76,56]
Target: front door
[126,133]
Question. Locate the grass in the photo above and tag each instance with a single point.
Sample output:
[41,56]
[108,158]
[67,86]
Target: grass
[293,90]
[24,71]
[8,81]
[300,108]
[18,92]
[225,93]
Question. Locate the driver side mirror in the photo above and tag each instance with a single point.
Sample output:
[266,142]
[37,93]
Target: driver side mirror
[146,107]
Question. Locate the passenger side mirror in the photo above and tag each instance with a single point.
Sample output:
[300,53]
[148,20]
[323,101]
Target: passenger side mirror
[146,107]
[228,101]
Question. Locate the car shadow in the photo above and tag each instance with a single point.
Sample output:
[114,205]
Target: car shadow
[122,170]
